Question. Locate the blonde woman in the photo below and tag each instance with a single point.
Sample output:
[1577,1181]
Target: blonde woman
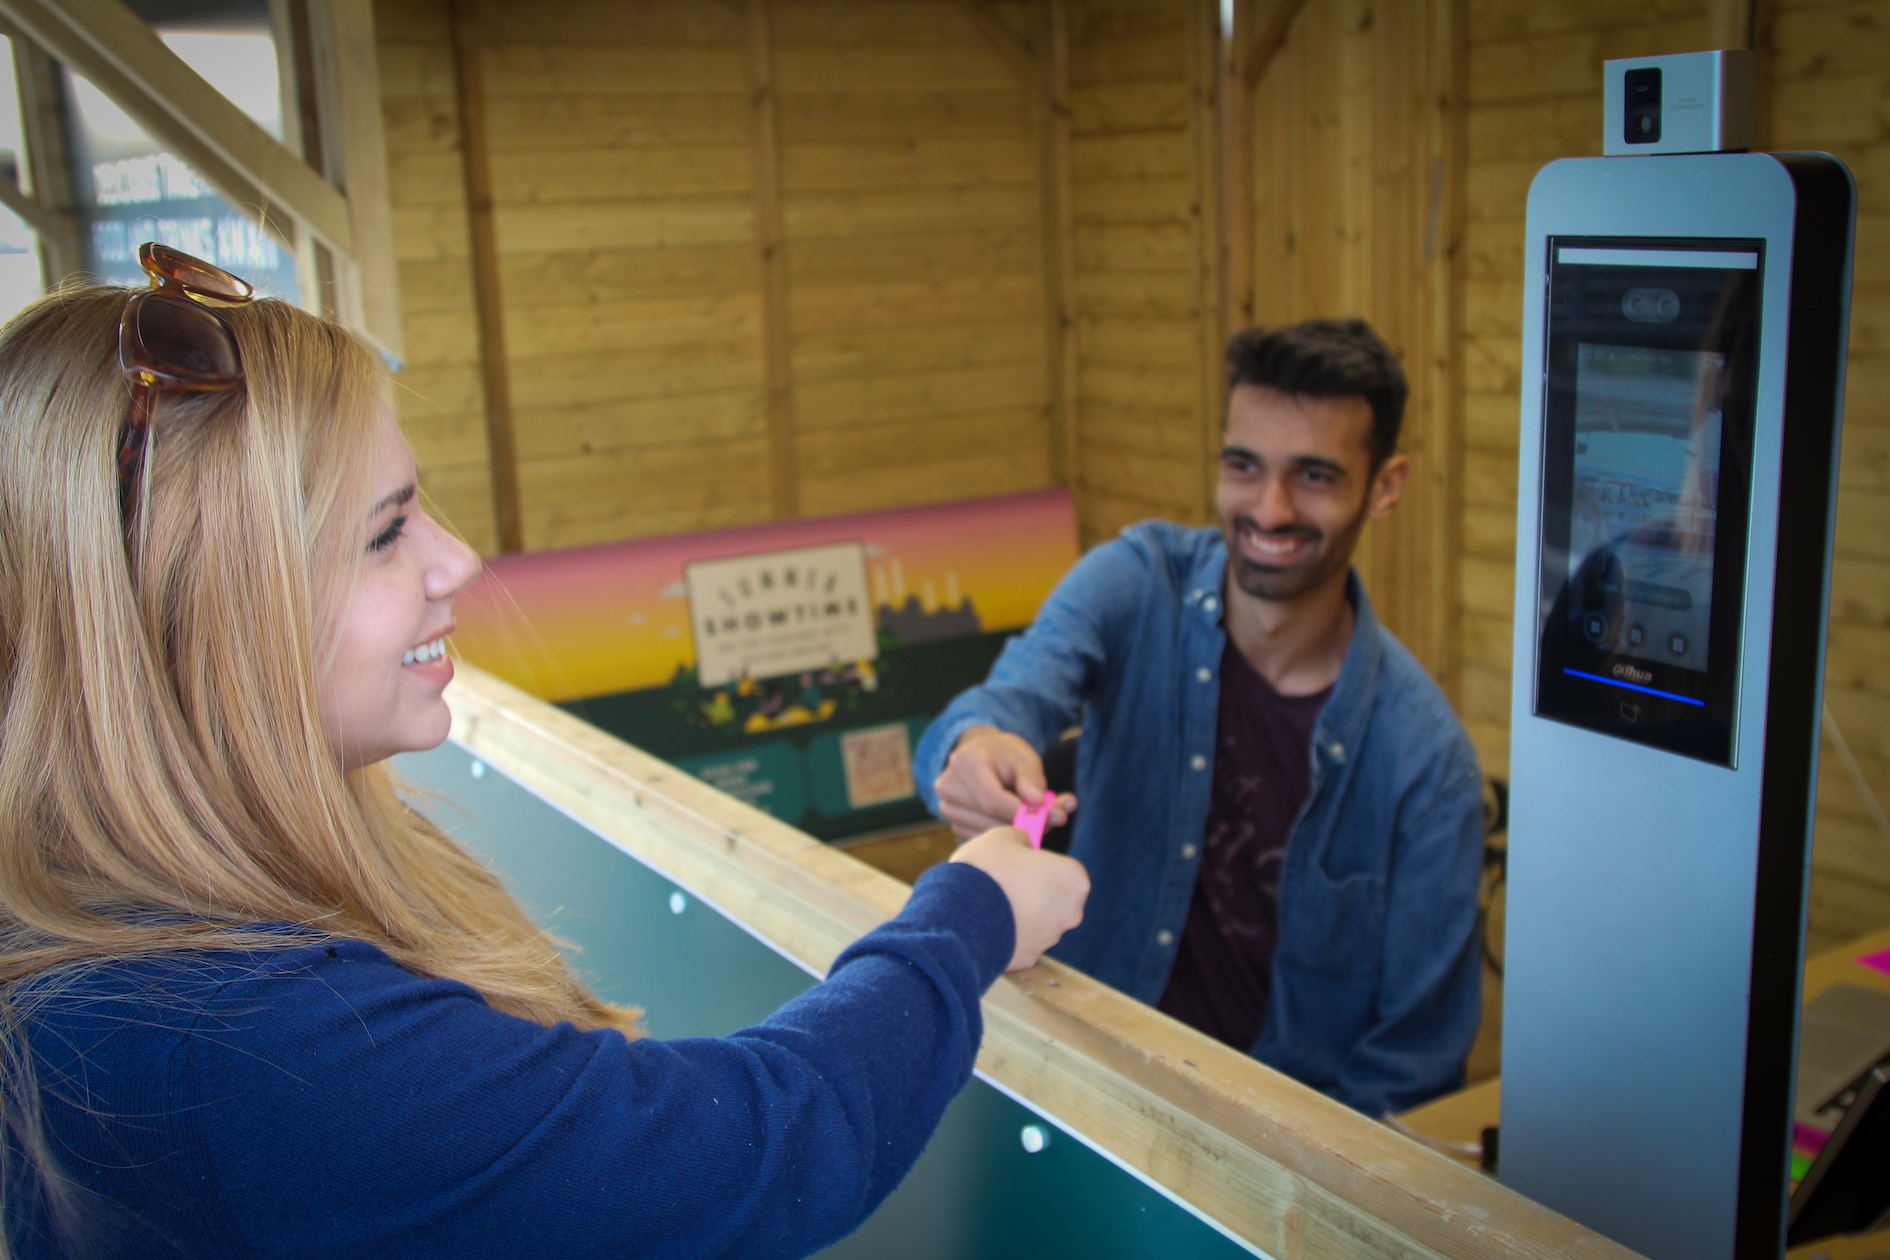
[253,1005]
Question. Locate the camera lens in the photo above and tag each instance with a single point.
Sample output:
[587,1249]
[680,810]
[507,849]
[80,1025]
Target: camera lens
[1640,122]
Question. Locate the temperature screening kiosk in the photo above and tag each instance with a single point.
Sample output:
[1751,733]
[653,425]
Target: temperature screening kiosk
[1684,329]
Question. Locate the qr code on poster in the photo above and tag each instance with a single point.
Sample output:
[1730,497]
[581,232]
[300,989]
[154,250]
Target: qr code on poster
[878,763]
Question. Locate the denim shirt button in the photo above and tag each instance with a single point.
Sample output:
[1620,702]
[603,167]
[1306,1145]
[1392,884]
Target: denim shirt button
[1198,762]
[1187,852]
[1204,674]
[1210,603]
[1338,752]
[1164,938]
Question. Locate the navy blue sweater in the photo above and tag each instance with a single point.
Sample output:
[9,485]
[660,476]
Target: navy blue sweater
[320,1100]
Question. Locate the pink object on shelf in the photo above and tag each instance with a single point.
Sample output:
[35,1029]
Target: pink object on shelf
[1031,819]
[1877,962]
[1806,1138]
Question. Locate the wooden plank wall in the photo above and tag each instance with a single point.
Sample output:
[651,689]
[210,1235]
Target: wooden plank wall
[634,260]
[914,177]
[1830,76]
[1535,95]
[1356,170]
[438,391]
[1148,360]
[910,180]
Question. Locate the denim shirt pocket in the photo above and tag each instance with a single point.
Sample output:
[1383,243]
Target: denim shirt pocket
[1332,929]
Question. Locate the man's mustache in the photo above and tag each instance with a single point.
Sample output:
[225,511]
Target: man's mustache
[1285,531]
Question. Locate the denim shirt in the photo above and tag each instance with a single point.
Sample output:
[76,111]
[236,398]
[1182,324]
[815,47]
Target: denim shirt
[1376,978]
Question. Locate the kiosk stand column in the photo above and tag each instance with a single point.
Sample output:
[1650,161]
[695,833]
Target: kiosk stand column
[1684,324]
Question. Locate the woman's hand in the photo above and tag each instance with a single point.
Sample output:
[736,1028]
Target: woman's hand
[1046,890]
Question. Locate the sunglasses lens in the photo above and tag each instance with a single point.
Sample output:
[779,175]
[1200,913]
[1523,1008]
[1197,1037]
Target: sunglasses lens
[195,275]
[185,340]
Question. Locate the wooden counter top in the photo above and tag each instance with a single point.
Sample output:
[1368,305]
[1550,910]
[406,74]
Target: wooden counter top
[1278,1164]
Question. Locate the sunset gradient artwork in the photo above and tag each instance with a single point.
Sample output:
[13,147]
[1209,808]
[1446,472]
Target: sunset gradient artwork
[592,621]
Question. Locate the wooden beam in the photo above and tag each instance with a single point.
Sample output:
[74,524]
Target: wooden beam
[1237,174]
[771,234]
[1748,24]
[1273,1162]
[1271,21]
[1206,120]
[1050,109]
[1765,50]
[301,88]
[1729,23]
[1445,266]
[43,221]
[368,276]
[234,185]
[488,299]
[1004,41]
[114,48]
[48,158]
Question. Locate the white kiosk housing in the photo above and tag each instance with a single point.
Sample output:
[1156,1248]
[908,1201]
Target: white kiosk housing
[1684,330]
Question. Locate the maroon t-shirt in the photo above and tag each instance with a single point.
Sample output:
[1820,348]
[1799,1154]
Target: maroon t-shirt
[1262,772]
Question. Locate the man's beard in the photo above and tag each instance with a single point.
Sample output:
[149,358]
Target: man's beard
[1283,582]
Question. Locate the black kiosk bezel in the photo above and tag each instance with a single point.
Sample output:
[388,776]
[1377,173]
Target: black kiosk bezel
[1634,695]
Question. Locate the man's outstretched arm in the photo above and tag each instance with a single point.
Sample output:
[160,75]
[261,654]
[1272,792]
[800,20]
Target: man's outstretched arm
[983,754]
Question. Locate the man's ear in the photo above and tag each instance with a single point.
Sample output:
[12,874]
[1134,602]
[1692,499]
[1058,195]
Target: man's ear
[1388,486]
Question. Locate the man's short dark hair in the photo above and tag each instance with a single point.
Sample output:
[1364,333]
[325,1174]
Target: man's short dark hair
[1326,358]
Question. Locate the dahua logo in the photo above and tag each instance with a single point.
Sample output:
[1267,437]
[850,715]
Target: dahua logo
[1637,675]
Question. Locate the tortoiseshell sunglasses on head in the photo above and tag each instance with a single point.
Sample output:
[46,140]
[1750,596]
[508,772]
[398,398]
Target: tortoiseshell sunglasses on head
[171,339]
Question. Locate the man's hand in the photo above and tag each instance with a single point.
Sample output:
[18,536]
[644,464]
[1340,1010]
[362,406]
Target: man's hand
[990,773]
[1046,890]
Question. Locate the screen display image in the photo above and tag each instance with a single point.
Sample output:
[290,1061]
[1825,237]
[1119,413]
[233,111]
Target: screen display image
[1644,501]
[1652,365]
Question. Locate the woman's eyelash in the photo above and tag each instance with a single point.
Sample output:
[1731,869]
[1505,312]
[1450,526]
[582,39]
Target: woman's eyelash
[387,537]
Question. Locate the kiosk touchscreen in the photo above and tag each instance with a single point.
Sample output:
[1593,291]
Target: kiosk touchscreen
[1683,351]
[1647,476]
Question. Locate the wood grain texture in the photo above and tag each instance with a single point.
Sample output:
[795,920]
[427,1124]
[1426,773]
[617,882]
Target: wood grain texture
[1360,182]
[859,246]
[1145,208]
[771,238]
[1275,1162]
[488,298]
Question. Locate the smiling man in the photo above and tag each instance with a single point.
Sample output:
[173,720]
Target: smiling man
[1281,816]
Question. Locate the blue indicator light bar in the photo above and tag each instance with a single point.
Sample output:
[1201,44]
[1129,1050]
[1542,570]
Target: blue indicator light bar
[1615,682]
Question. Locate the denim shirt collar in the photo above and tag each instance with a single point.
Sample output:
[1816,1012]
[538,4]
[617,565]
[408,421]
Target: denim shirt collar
[1342,721]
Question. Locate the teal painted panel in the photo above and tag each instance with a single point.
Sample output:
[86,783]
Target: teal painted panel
[975,1193]
[769,777]
[711,730]
[826,765]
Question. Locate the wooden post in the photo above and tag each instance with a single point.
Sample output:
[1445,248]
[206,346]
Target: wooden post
[1236,174]
[1050,107]
[1748,24]
[771,233]
[48,158]
[1440,358]
[1207,123]
[367,278]
[487,296]
[302,129]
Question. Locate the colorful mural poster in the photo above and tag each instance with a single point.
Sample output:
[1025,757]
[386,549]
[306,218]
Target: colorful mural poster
[794,665]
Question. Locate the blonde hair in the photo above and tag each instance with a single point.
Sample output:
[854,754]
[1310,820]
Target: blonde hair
[164,785]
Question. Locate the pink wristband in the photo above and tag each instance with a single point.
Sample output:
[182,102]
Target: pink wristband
[1031,820]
